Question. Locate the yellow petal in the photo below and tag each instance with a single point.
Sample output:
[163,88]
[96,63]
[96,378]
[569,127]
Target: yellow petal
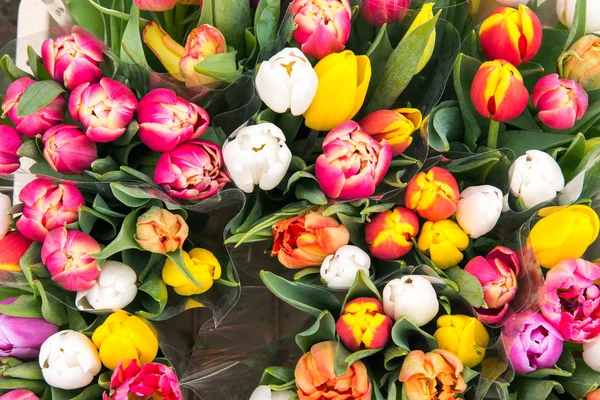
[116,349]
[363,64]
[445,255]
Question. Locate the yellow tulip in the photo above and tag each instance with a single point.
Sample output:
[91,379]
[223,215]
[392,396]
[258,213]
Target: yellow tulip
[343,82]
[168,51]
[425,15]
[563,232]
[124,337]
[464,336]
[203,266]
[443,241]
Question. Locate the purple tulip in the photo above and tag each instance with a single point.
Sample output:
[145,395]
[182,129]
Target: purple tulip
[10,141]
[68,150]
[22,337]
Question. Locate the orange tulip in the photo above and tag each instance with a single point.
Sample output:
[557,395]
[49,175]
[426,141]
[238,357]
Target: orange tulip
[363,324]
[389,234]
[433,194]
[395,126]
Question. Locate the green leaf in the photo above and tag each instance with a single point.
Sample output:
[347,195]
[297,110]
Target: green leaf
[28,370]
[87,15]
[117,26]
[344,358]
[570,160]
[125,239]
[577,30]
[127,195]
[378,54]
[177,257]
[521,141]
[231,17]
[533,389]
[322,330]
[465,68]
[361,287]
[445,125]
[101,206]
[11,70]
[221,66]
[88,218]
[30,149]
[53,310]
[36,65]
[26,306]
[76,321]
[132,49]
[468,286]
[311,191]
[583,380]
[266,21]
[157,292]
[38,95]
[525,121]
[277,377]
[90,392]
[403,329]
[531,68]
[36,386]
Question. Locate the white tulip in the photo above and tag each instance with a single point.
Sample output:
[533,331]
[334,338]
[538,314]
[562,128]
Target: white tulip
[535,178]
[565,10]
[257,155]
[263,392]
[287,81]
[5,205]
[591,353]
[114,290]
[411,296]
[339,270]
[69,360]
[478,210]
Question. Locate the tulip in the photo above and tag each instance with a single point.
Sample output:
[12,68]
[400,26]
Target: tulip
[287,81]
[47,206]
[352,163]
[511,34]
[191,171]
[323,26]
[497,273]
[306,240]
[67,150]
[411,296]
[316,378]
[433,375]
[463,336]
[155,5]
[512,3]
[201,264]
[565,10]
[257,155]
[160,231]
[536,344]
[203,42]
[339,270]
[535,178]
[389,234]
[105,108]
[72,60]
[424,16]
[591,353]
[115,289]
[363,325]
[379,12]
[343,82]
[12,247]
[167,50]
[167,120]
[148,381]
[123,338]
[478,209]
[581,62]
[593,395]
[5,217]
[68,256]
[443,241]
[10,141]
[561,101]
[19,394]
[498,91]
[395,126]
[37,122]
[432,194]
[264,392]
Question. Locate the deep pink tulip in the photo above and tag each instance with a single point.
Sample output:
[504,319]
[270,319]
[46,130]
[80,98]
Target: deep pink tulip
[379,12]
[19,394]
[47,206]
[105,108]
[323,26]
[72,60]
[68,150]
[498,273]
[561,101]
[167,120]
[37,122]
[352,163]
[67,255]
[155,5]
[10,141]
[153,380]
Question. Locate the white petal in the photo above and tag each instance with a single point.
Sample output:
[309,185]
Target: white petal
[572,190]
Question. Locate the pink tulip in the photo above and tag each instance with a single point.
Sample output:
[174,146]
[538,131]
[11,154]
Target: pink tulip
[105,109]
[153,380]
[570,299]
[561,101]
[47,206]
[352,163]
[498,273]
[19,394]
[323,26]
[167,120]
[68,150]
[155,5]
[192,171]
[72,60]
[10,141]
[39,121]
[379,12]
[67,255]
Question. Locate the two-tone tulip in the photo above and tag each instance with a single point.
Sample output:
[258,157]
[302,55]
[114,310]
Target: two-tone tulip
[363,325]
[389,234]
[379,12]
[443,241]
[581,62]
[167,50]
[37,122]
[560,101]
[155,5]
[424,16]
[68,150]
[105,108]
[10,141]
[72,60]
[433,194]
[339,270]
[202,42]
[412,297]
[395,126]
[352,163]
[160,231]
[565,10]
[12,247]
[478,209]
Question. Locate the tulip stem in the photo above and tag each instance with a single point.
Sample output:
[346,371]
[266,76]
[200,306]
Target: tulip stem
[169,22]
[180,12]
[492,140]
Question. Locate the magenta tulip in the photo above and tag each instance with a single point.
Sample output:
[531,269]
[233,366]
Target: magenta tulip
[167,120]
[68,150]
[10,141]
[105,108]
[72,60]
[379,12]
[47,206]
[561,101]
[19,394]
[148,381]
[39,121]
[352,163]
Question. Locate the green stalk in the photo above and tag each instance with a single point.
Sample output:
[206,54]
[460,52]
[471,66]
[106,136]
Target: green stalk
[180,13]
[169,16]
[492,140]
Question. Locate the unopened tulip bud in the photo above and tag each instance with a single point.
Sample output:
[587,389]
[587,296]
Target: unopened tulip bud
[478,209]
[443,242]
[432,194]
[395,126]
[464,336]
[424,16]
[155,5]
[67,150]
[379,12]
[160,231]
[411,296]
[560,101]
[12,247]
[10,141]
[114,290]
[581,62]
[264,392]
[339,270]
[565,10]
[389,234]
[363,325]
[203,42]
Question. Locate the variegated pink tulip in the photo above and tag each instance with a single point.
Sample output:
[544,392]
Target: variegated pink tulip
[352,163]
[153,380]
[204,41]
[10,141]
[561,101]
[68,150]
[47,206]
[323,26]
[39,121]
[105,108]
[155,5]
[72,60]
[167,120]
[379,12]
[68,256]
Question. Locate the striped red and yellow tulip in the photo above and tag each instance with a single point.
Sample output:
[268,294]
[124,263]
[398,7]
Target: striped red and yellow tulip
[395,126]
[432,194]
[364,325]
[389,234]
